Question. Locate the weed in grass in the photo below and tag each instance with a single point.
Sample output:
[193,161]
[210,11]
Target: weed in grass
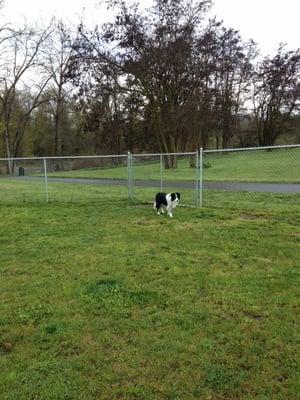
[34,314]
[220,379]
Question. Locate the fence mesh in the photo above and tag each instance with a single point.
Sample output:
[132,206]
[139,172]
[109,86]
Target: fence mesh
[263,176]
[247,178]
[164,173]
[22,184]
[68,179]
[85,179]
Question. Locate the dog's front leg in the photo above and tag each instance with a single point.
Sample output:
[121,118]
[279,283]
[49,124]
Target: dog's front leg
[169,210]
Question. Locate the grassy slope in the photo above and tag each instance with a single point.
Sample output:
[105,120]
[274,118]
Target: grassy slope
[94,306]
[255,166]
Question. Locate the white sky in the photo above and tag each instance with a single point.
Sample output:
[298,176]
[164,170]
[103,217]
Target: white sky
[268,22]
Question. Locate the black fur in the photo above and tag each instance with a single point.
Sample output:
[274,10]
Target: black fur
[173,196]
[178,195]
[160,199]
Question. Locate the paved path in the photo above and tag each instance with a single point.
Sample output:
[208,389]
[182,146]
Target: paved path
[232,186]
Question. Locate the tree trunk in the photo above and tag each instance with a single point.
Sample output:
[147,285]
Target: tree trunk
[192,162]
[9,166]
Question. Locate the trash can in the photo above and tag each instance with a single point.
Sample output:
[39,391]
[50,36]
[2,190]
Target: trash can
[21,171]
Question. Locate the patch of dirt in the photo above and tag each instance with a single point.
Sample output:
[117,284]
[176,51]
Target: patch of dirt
[253,315]
[5,347]
[253,217]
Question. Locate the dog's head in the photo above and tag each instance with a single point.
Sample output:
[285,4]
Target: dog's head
[175,197]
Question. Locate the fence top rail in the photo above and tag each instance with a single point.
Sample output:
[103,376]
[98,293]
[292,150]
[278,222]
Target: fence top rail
[191,153]
[286,146]
[95,156]
[63,157]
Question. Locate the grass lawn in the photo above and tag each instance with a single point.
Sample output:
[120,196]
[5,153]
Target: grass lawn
[282,165]
[95,305]
[14,191]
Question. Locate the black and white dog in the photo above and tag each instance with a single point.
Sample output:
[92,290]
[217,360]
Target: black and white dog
[166,200]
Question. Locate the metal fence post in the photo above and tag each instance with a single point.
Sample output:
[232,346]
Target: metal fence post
[130,171]
[201,177]
[197,178]
[161,172]
[46,180]
[128,174]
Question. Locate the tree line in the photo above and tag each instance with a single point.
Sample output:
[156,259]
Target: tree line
[166,79]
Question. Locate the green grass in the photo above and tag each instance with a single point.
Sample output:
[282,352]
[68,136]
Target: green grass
[251,166]
[16,192]
[95,305]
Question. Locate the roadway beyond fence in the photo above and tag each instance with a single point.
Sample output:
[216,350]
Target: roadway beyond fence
[231,186]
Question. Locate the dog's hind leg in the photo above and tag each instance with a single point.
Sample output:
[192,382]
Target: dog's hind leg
[156,207]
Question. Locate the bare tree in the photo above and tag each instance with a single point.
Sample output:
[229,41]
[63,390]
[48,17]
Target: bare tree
[57,53]
[172,80]
[20,52]
[156,54]
[192,79]
[232,80]
[276,94]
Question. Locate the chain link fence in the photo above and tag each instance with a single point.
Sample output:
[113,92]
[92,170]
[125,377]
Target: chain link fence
[18,181]
[55,179]
[250,178]
[168,172]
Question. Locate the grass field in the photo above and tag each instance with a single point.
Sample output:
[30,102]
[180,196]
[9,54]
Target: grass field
[251,166]
[16,191]
[94,304]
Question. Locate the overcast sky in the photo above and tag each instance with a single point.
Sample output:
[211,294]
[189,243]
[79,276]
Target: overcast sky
[268,22]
